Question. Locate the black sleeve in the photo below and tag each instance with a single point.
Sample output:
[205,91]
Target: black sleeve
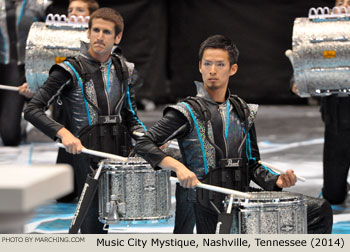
[35,110]
[261,175]
[172,125]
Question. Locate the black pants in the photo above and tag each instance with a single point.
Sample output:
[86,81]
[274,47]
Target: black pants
[11,104]
[319,216]
[336,162]
[336,153]
[185,217]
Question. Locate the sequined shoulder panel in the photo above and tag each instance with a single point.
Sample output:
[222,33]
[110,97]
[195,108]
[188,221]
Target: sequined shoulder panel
[208,148]
[79,93]
[253,110]
[131,67]
[183,110]
[68,69]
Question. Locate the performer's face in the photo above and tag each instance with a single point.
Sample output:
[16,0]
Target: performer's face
[78,8]
[102,38]
[216,69]
[343,3]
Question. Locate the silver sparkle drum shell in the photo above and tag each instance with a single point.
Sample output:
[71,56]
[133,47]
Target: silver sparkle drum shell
[321,56]
[270,213]
[47,46]
[133,191]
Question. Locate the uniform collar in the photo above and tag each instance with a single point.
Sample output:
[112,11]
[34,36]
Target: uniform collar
[201,92]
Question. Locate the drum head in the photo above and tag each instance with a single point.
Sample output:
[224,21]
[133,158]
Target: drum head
[270,197]
[133,163]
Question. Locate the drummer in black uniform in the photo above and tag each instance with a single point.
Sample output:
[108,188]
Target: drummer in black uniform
[217,140]
[97,91]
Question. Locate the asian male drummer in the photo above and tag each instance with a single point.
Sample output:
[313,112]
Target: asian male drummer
[216,135]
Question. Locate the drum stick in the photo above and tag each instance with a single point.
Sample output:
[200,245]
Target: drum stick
[279,170]
[218,189]
[100,154]
[229,207]
[138,133]
[289,54]
[10,88]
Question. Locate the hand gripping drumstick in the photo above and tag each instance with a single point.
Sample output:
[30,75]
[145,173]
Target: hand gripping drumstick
[279,170]
[9,88]
[208,187]
[100,154]
[89,189]
[218,189]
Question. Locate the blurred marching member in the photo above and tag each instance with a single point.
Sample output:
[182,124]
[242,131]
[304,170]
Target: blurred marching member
[78,8]
[96,88]
[216,135]
[16,18]
[82,8]
[335,111]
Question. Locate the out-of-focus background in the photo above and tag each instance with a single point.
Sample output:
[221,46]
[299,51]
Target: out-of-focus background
[162,38]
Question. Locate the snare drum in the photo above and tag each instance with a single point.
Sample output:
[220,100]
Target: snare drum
[133,191]
[321,53]
[269,213]
[46,46]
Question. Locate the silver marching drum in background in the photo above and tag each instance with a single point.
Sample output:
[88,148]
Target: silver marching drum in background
[133,191]
[269,213]
[50,43]
[321,52]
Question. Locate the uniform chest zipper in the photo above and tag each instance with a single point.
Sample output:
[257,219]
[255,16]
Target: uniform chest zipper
[106,80]
[223,116]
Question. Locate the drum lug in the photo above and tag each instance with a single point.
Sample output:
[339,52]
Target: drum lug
[112,217]
[117,206]
[121,208]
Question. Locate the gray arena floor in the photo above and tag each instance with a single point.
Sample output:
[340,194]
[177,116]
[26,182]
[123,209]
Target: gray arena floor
[289,137]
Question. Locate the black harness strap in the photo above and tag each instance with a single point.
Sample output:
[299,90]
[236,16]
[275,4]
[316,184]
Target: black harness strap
[224,175]
[84,75]
[122,74]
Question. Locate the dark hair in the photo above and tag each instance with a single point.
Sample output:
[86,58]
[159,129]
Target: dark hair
[220,42]
[92,5]
[109,15]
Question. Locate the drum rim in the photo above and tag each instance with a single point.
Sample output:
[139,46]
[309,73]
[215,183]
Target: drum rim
[277,197]
[113,170]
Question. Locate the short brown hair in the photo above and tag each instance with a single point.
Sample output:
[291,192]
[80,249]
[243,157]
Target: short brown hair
[109,15]
[92,5]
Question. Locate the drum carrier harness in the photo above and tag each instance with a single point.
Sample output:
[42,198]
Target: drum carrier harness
[109,134]
[229,172]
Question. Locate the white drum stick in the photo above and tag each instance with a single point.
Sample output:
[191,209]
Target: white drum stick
[10,88]
[218,189]
[229,207]
[279,170]
[289,54]
[100,154]
[138,133]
